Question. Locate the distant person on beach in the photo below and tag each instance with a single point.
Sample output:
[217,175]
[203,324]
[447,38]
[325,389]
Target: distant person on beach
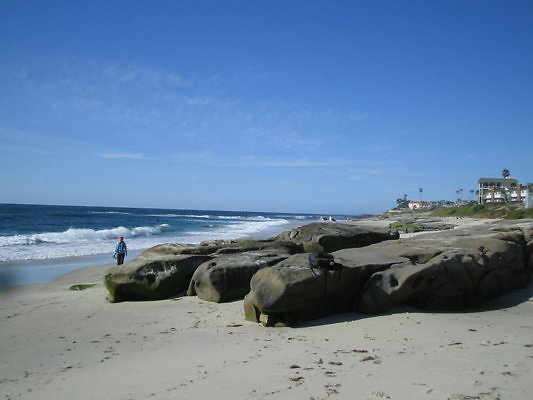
[121,251]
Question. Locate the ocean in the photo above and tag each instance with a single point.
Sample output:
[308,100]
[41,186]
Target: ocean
[40,242]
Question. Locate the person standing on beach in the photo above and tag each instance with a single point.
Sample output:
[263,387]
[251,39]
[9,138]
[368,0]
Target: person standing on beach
[121,251]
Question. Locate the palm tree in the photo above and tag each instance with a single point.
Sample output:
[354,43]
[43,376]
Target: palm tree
[458,192]
[402,203]
[505,173]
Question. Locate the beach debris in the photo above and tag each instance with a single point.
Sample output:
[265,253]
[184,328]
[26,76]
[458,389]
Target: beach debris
[332,388]
[350,351]
[381,395]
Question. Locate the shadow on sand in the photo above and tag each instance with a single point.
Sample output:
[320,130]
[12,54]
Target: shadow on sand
[512,299]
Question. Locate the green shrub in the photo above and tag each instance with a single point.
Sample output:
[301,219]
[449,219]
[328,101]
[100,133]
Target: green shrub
[484,211]
[520,214]
[406,228]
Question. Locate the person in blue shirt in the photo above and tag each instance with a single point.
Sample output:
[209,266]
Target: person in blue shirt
[121,251]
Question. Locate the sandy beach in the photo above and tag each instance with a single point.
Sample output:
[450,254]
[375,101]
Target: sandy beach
[56,343]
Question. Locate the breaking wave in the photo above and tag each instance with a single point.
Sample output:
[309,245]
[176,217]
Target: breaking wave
[76,242]
[74,235]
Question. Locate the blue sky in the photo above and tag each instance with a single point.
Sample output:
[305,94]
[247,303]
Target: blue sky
[329,107]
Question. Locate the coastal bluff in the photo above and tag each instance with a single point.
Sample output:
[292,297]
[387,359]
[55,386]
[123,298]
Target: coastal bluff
[325,268]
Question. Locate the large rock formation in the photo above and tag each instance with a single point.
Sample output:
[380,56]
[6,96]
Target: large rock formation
[166,270]
[444,270]
[218,247]
[151,278]
[306,286]
[227,277]
[450,271]
[436,271]
[321,237]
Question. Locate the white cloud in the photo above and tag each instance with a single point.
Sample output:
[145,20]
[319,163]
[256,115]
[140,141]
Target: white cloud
[158,107]
[199,100]
[199,158]
[251,161]
[31,142]
[362,173]
[116,156]
[267,161]
[23,149]
[358,116]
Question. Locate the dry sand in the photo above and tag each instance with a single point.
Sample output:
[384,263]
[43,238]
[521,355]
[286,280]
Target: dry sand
[62,344]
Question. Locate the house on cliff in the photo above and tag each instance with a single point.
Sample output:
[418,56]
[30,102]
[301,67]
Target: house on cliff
[419,205]
[502,190]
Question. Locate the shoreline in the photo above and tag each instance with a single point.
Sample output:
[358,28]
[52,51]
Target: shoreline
[19,273]
[16,274]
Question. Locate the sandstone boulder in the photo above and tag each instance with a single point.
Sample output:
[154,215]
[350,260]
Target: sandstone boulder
[174,249]
[467,267]
[322,237]
[149,278]
[227,276]
[310,285]
[217,247]
[166,270]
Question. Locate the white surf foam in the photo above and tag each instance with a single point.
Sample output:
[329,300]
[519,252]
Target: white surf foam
[74,235]
[82,242]
[176,216]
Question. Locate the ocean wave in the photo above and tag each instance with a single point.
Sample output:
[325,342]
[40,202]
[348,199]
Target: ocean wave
[110,212]
[177,216]
[245,218]
[75,235]
[240,229]
[82,242]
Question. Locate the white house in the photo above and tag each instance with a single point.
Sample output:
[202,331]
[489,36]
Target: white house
[501,190]
[417,205]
